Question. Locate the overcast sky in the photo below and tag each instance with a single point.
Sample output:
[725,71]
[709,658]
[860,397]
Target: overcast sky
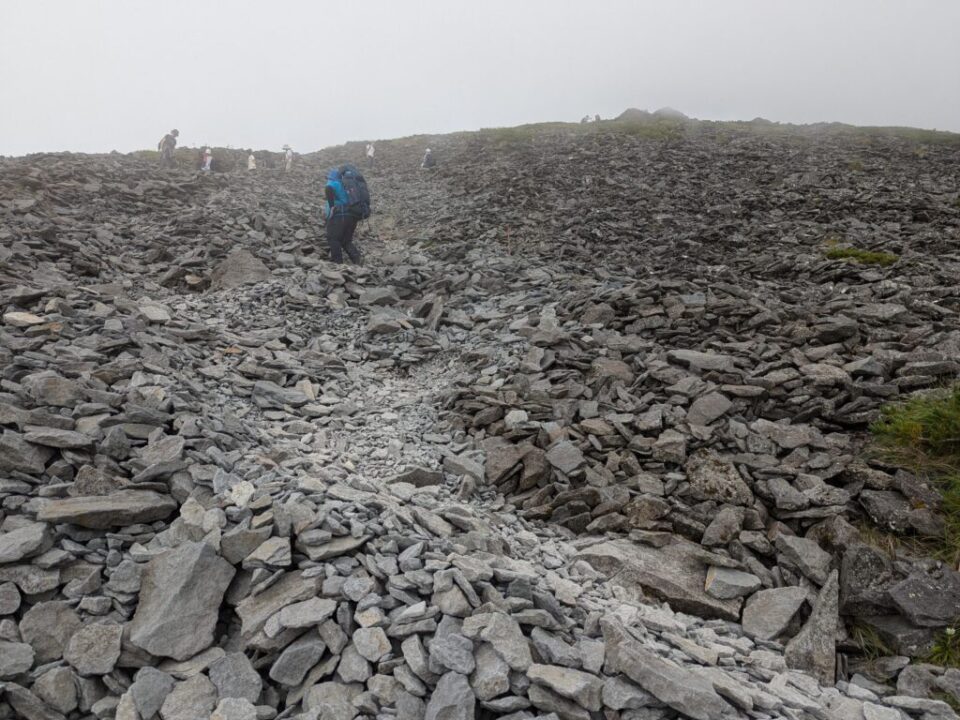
[100,75]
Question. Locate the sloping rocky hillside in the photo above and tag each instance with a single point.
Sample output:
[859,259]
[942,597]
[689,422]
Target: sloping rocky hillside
[584,437]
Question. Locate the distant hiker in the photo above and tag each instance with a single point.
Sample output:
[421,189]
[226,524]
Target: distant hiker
[428,160]
[166,147]
[596,118]
[287,158]
[207,160]
[348,202]
[251,162]
[371,151]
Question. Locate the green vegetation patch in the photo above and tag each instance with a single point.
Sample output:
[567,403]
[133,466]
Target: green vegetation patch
[922,435]
[859,255]
[946,650]
[926,427]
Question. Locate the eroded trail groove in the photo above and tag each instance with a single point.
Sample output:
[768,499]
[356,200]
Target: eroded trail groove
[584,438]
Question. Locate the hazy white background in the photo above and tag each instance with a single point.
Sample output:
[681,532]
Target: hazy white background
[99,75]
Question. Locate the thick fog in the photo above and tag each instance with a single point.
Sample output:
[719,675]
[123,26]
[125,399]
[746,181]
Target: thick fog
[103,75]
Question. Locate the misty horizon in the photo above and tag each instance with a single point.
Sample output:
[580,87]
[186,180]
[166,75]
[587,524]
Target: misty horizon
[102,76]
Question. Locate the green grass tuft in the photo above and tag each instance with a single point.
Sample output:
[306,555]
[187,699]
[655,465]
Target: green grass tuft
[946,650]
[859,255]
[870,642]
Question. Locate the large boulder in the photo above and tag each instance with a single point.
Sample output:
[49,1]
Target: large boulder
[180,595]
[239,268]
[813,649]
[675,572]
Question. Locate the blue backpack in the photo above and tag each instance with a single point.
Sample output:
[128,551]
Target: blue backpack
[357,193]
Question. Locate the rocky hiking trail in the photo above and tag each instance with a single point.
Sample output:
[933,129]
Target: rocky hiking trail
[586,437]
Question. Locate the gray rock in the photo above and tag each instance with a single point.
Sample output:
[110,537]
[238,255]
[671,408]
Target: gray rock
[452,699]
[453,652]
[806,555]
[47,627]
[928,600]
[48,388]
[94,649]
[555,705]
[353,667]
[297,659]
[504,634]
[677,687]
[272,553]
[15,658]
[813,649]
[410,707]
[238,542]
[553,649]
[124,507]
[419,477]
[865,575]
[267,394]
[674,572]
[334,700]
[56,438]
[769,613]
[887,508]
[255,610]
[713,478]
[708,408]
[307,613]
[724,527]
[619,694]
[234,677]
[24,542]
[583,688]
[27,705]
[149,689]
[192,699]
[233,708]
[9,598]
[180,596]
[492,674]
[57,687]
[670,447]
[239,268]
[372,643]
[565,457]
[17,455]
[872,711]
[785,496]
[726,583]
[697,360]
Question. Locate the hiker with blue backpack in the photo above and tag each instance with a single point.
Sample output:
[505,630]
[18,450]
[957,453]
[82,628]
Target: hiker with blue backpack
[348,202]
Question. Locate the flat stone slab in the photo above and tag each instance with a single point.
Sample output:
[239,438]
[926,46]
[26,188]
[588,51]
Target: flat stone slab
[675,573]
[99,512]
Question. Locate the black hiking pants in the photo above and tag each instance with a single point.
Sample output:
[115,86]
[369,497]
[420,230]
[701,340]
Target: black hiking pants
[340,230]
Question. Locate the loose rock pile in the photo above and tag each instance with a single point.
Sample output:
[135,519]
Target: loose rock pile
[238,482]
